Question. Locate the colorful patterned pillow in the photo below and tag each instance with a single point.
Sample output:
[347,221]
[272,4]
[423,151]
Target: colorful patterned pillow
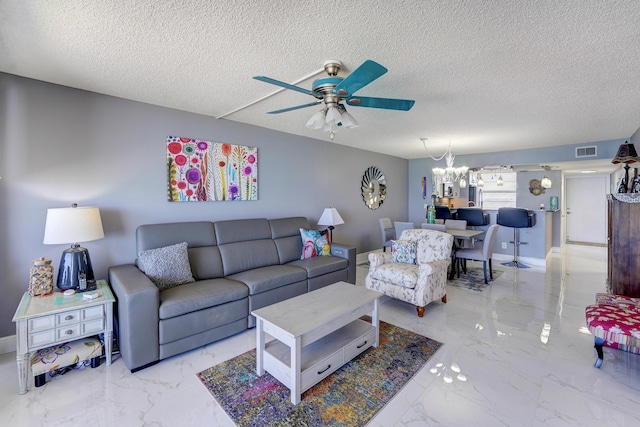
[403,251]
[314,243]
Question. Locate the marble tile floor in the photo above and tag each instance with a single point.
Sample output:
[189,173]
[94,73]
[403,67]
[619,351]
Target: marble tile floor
[517,354]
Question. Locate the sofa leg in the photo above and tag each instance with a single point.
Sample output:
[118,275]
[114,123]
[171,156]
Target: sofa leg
[599,342]
[420,311]
[444,299]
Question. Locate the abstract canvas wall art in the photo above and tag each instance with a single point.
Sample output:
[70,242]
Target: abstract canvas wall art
[201,171]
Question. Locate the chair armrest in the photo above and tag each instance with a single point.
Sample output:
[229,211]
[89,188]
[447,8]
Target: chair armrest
[348,253]
[138,302]
[376,259]
[427,268]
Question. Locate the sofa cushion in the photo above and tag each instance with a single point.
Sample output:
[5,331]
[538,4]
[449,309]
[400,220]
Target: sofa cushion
[285,232]
[405,275]
[243,256]
[167,266]
[199,295]
[263,279]
[242,230]
[206,262]
[319,266]
[314,243]
[196,234]
[403,251]
[176,330]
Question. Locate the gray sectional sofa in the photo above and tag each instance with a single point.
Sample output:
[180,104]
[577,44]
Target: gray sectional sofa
[238,266]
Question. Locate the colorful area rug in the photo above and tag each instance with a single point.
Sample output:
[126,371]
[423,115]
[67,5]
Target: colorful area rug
[351,396]
[474,279]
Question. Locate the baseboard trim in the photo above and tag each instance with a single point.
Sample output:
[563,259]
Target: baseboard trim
[7,344]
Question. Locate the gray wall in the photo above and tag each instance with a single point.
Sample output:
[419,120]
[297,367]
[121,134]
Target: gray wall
[60,145]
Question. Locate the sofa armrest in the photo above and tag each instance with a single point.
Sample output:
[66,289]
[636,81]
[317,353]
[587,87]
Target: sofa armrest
[138,302]
[348,253]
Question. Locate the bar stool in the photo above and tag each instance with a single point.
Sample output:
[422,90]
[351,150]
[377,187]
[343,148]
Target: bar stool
[475,217]
[516,218]
[443,212]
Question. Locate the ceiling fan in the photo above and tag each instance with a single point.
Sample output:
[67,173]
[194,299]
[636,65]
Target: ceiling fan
[336,91]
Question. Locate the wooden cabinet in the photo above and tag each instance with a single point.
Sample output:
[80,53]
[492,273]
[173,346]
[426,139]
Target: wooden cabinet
[623,255]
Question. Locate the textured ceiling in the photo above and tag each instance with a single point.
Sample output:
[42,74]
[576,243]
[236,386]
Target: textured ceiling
[486,75]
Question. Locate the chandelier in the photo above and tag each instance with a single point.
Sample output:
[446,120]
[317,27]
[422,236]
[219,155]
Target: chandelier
[449,173]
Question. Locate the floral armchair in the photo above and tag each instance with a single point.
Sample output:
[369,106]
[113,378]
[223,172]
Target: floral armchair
[418,282]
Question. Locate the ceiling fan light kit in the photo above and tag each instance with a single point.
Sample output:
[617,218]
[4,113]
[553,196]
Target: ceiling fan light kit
[336,91]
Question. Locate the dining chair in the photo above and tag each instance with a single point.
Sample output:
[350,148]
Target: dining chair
[388,233]
[401,226]
[483,254]
[457,224]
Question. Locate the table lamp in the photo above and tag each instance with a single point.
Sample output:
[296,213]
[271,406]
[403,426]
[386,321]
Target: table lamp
[626,154]
[72,226]
[330,217]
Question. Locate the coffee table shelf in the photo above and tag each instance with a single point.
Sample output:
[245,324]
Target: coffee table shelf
[320,358]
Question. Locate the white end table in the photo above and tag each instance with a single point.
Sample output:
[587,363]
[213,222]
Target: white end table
[43,321]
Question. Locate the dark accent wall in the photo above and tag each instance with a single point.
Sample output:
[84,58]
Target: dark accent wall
[60,145]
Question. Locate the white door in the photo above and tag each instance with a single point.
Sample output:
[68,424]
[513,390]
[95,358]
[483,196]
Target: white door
[586,209]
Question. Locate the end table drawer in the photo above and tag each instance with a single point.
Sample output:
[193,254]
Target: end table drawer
[95,312]
[93,326]
[69,332]
[42,339]
[67,318]
[41,323]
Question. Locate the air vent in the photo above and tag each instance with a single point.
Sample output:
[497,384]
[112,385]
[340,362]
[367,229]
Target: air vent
[586,151]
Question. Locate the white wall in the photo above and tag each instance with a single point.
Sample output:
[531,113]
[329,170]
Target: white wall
[60,145]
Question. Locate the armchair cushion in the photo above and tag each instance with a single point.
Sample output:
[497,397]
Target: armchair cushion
[403,251]
[400,274]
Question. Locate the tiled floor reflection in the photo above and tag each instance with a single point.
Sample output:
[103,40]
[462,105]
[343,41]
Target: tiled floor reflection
[516,354]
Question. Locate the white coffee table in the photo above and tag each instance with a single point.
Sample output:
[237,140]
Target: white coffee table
[315,334]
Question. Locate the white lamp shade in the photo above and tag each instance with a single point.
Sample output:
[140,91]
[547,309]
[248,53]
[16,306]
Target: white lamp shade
[72,225]
[348,120]
[330,216]
[333,115]
[317,120]
[545,182]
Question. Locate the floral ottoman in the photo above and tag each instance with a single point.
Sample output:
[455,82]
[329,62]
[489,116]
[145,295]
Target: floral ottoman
[614,321]
[52,358]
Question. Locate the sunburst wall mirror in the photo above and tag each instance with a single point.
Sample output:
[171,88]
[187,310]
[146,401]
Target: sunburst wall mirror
[374,187]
